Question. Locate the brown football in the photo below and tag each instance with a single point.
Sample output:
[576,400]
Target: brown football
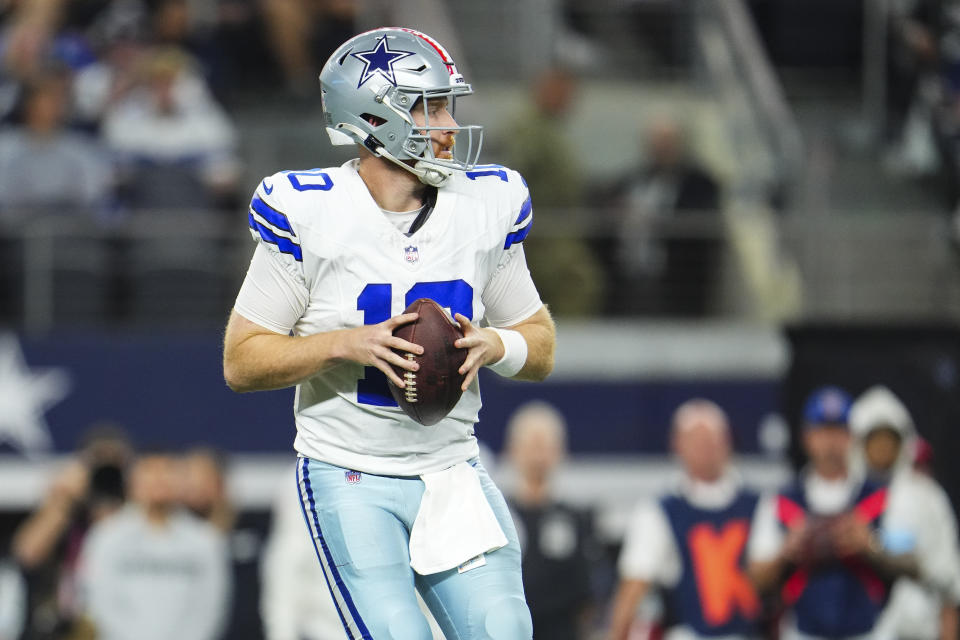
[433,390]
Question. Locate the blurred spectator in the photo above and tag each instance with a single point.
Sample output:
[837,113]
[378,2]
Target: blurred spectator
[244,61]
[227,37]
[26,37]
[43,167]
[47,545]
[175,145]
[188,25]
[303,34]
[559,551]
[154,571]
[919,520]
[97,87]
[568,274]
[667,250]
[204,490]
[13,602]
[923,92]
[820,539]
[913,60]
[31,40]
[538,146]
[692,542]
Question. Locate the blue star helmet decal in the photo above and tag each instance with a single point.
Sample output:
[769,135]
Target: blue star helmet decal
[379,60]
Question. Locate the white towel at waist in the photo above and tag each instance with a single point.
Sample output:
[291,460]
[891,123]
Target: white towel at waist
[455,522]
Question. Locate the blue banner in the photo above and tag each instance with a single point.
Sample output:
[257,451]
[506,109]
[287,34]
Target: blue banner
[168,390]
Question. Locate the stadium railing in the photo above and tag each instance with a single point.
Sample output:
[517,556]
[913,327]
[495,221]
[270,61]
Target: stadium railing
[182,270]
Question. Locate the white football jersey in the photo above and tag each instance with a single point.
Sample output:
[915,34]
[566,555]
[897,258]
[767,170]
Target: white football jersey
[343,264]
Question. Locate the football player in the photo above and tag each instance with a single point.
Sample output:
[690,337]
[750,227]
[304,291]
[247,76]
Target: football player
[393,505]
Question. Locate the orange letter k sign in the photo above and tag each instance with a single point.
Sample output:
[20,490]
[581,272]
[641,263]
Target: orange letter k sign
[722,585]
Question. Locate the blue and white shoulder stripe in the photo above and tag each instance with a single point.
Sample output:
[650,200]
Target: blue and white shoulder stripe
[499,176]
[522,224]
[271,225]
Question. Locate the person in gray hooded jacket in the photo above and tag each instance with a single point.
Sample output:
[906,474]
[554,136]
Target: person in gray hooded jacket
[919,520]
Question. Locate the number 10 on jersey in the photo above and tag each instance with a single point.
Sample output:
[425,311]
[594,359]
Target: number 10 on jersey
[375,301]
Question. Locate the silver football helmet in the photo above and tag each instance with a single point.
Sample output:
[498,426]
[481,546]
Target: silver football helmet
[370,84]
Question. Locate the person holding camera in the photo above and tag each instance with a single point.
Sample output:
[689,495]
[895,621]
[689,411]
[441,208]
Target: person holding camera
[155,571]
[821,540]
[46,546]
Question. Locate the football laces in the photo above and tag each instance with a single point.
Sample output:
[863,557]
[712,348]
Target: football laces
[410,382]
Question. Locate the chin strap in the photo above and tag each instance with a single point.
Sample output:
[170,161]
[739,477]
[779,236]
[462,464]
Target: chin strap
[428,173]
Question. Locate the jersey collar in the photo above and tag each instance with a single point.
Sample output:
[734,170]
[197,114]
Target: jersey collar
[368,207]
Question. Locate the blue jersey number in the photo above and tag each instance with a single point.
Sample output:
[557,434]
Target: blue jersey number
[374,301]
[501,173]
[314,180]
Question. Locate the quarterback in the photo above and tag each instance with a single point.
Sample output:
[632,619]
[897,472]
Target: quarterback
[394,506]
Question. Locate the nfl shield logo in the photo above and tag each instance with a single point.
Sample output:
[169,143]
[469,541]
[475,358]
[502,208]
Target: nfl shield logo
[352,477]
[411,254]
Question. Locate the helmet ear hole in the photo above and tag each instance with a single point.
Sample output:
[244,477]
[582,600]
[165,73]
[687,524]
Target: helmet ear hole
[375,121]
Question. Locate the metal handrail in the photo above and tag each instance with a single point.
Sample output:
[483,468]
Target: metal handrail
[38,239]
[765,97]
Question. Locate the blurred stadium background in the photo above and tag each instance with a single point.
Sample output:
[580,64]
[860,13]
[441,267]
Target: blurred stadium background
[807,233]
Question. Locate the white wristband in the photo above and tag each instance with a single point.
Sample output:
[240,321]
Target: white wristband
[514,353]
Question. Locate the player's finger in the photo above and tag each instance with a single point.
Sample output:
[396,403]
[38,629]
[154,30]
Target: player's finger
[464,322]
[466,342]
[471,362]
[399,360]
[470,376]
[389,372]
[402,345]
[402,319]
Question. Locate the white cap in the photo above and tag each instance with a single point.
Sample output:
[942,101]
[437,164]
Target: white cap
[879,407]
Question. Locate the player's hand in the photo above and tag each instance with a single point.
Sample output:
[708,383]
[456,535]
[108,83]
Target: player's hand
[851,536]
[372,345]
[484,346]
